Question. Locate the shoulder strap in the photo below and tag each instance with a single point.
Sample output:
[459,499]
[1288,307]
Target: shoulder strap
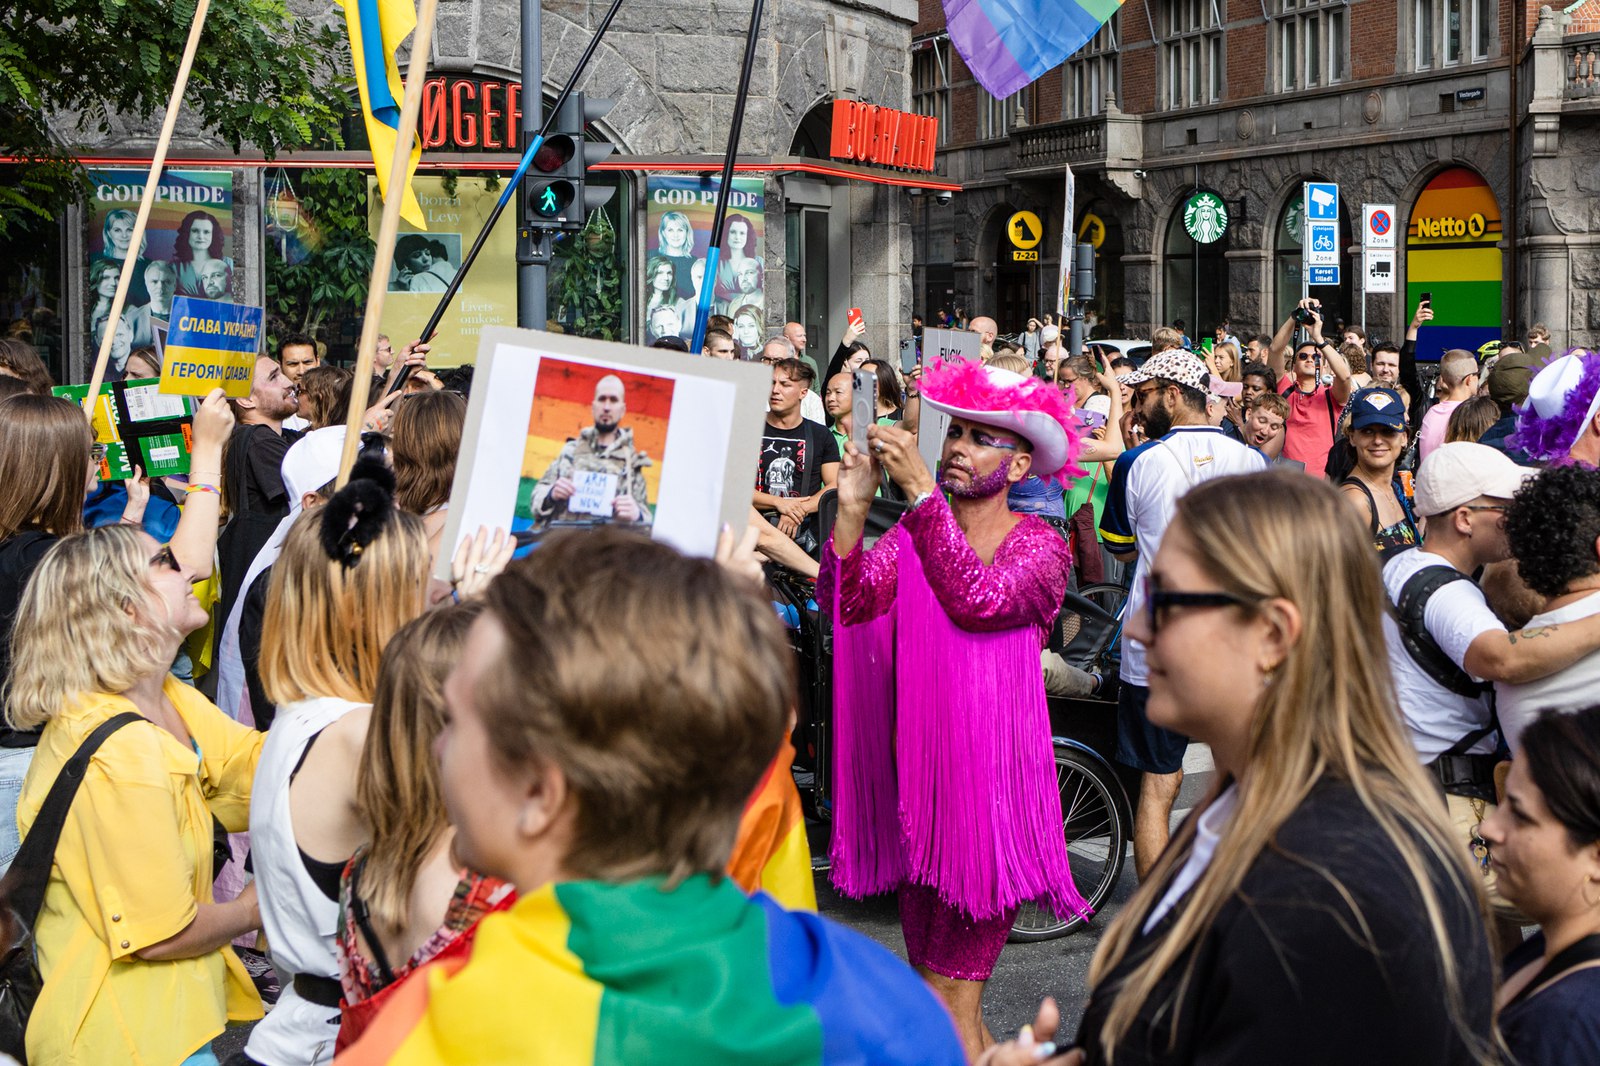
[1584,952]
[24,883]
[1372,504]
[358,910]
[1419,643]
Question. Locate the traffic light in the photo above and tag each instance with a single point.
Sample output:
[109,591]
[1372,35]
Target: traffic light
[555,191]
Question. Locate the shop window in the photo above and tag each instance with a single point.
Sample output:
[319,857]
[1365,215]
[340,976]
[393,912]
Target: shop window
[1192,56]
[1093,72]
[31,285]
[930,82]
[1195,277]
[1451,32]
[1313,43]
[319,247]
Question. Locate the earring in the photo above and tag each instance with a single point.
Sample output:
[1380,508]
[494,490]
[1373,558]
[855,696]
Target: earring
[1269,674]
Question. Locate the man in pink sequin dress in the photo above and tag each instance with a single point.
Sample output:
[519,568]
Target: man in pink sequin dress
[945,787]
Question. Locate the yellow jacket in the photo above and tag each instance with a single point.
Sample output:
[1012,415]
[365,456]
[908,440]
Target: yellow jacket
[133,862]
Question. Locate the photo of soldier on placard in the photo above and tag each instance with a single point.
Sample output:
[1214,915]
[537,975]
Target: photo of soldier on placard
[605,468]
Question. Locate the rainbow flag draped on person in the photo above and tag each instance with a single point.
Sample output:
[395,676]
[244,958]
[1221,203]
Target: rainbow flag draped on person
[1009,43]
[634,974]
[377,29]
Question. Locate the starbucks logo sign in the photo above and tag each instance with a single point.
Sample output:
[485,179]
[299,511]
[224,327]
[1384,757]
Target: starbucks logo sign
[1205,217]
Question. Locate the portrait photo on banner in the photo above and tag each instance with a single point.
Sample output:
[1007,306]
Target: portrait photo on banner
[570,433]
[187,250]
[678,228]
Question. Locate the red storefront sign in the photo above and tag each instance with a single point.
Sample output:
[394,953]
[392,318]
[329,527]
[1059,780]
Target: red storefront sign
[471,115]
[866,133]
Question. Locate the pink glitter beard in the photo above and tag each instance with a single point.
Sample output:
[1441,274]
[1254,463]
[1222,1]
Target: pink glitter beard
[980,488]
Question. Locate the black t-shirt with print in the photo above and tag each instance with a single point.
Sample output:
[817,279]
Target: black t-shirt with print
[792,459]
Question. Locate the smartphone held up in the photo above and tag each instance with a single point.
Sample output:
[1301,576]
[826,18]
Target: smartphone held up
[863,406]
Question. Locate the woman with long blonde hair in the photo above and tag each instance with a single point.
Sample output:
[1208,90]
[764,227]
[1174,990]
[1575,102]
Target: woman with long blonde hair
[132,945]
[352,572]
[1315,908]
[405,899]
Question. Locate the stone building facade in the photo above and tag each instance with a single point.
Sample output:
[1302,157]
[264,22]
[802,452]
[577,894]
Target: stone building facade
[672,68]
[1415,103]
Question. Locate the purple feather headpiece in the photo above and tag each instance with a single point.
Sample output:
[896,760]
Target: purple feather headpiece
[1549,437]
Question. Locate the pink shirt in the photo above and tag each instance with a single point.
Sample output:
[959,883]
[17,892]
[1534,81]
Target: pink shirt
[1434,424]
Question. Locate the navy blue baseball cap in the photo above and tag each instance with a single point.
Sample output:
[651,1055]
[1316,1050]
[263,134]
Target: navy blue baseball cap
[1378,407]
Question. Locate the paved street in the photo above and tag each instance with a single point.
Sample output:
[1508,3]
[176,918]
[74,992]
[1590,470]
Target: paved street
[1026,972]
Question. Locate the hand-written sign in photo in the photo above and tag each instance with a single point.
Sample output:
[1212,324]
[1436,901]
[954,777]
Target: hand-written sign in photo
[565,432]
[596,438]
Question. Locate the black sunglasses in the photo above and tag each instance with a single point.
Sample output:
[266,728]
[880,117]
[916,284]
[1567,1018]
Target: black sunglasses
[1158,602]
[165,558]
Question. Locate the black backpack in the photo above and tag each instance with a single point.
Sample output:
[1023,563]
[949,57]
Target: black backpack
[1426,653]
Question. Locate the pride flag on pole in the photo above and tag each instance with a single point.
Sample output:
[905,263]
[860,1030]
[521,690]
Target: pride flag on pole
[1009,43]
[377,29]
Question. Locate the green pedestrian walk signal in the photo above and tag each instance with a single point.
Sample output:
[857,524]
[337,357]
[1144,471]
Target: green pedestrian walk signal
[554,188]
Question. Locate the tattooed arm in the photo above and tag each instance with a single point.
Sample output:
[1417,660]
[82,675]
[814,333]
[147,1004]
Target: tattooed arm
[1524,655]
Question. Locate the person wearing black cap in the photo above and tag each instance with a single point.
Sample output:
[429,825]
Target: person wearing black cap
[1377,434]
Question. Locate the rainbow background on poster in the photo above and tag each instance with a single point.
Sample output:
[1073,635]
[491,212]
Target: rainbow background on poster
[1462,272]
[562,399]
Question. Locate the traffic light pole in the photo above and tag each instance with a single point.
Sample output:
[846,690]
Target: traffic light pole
[541,239]
[532,278]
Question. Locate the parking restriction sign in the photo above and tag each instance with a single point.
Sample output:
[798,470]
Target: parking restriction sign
[1378,226]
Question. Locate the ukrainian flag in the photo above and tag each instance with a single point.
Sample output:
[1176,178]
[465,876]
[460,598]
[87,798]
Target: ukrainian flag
[377,28]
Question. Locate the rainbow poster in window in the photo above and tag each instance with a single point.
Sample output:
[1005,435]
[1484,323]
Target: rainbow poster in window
[1453,253]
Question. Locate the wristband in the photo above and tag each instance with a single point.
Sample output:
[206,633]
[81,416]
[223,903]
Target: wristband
[200,486]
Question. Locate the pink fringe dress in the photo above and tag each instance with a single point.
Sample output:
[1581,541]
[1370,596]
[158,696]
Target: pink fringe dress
[944,770]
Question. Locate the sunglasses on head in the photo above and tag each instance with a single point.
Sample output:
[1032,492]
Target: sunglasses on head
[980,438]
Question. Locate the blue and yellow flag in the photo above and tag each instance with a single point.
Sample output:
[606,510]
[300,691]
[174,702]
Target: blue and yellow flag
[377,28]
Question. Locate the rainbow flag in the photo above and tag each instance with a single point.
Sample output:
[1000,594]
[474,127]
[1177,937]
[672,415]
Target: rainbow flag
[1009,43]
[634,974]
[377,29]
[772,854]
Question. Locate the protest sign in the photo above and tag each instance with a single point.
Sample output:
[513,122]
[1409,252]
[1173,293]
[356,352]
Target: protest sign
[564,432]
[135,424]
[678,226]
[210,345]
[943,344]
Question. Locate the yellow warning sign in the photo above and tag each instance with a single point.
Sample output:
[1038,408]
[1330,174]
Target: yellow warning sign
[1025,229]
[1092,231]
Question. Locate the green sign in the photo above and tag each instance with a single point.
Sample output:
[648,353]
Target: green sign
[1205,217]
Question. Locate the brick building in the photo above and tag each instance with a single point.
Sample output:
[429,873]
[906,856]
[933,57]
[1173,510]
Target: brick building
[1409,102]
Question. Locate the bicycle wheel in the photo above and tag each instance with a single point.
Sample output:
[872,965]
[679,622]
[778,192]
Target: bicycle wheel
[1095,820]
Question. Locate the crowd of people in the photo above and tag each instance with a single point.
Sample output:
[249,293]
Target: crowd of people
[261,767]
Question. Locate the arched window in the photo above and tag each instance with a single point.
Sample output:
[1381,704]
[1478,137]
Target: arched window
[1337,301]
[1195,273]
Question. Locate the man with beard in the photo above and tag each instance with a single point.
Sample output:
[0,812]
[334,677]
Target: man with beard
[946,788]
[599,474]
[253,476]
[1181,450]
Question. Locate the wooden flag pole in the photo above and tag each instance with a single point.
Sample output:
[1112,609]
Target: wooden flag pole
[383,255]
[151,184]
[708,281]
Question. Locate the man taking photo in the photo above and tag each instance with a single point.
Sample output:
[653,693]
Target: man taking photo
[1313,406]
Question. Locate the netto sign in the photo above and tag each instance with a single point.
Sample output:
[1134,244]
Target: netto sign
[1472,227]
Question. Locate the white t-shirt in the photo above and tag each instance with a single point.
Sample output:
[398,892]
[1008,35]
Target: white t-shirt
[1144,491]
[1456,615]
[1565,690]
[1213,820]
